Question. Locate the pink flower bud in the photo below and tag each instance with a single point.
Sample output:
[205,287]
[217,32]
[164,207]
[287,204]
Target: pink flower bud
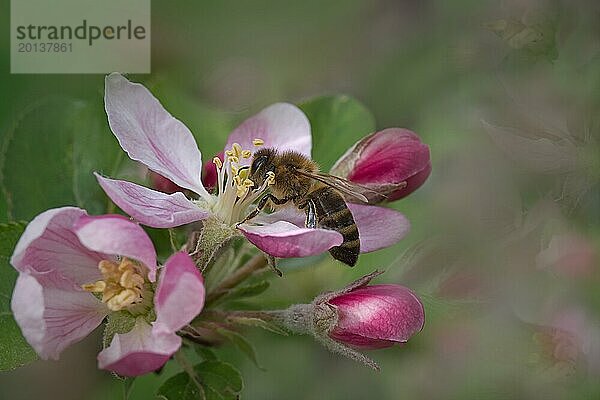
[393,161]
[163,184]
[377,316]
[209,173]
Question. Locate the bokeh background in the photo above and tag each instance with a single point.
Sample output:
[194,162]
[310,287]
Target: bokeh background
[504,246]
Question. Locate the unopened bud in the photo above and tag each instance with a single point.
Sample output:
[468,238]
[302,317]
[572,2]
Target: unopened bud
[359,316]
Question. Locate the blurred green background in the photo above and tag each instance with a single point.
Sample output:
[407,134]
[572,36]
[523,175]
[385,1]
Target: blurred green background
[505,234]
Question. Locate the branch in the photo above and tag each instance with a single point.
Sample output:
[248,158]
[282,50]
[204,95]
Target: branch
[254,264]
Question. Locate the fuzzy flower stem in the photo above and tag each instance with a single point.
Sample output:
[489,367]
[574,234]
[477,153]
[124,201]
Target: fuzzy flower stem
[254,264]
[259,314]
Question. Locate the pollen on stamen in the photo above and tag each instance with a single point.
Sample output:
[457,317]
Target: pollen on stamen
[258,142]
[121,286]
[236,149]
[217,161]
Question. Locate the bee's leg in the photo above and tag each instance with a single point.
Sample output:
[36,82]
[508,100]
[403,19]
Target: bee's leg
[262,204]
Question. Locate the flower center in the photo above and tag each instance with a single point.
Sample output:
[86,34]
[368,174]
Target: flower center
[122,286]
[236,192]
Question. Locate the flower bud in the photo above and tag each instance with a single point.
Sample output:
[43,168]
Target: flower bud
[163,184]
[393,162]
[376,316]
[358,317]
[209,173]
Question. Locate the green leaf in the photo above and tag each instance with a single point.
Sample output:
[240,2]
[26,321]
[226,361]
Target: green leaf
[205,352]
[337,122]
[247,290]
[220,378]
[180,387]
[95,149]
[258,323]
[14,350]
[217,381]
[48,154]
[36,171]
[241,343]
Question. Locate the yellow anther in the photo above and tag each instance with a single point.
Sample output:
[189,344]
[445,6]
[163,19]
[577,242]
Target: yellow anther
[108,268]
[242,183]
[96,287]
[246,154]
[258,142]
[217,161]
[122,300]
[233,159]
[126,265]
[130,279]
[122,284]
[237,149]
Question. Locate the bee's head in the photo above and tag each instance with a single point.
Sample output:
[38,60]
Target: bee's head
[262,163]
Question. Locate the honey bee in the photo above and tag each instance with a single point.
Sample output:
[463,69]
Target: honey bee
[321,196]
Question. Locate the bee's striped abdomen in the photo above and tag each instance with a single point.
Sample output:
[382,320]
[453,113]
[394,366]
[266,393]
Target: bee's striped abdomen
[333,213]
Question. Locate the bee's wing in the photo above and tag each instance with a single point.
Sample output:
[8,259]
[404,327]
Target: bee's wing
[352,192]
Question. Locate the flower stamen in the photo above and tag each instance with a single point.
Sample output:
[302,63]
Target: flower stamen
[217,161]
[122,286]
[235,192]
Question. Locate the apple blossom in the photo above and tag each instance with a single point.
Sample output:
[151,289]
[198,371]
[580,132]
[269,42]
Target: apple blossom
[393,162]
[358,317]
[149,134]
[75,270]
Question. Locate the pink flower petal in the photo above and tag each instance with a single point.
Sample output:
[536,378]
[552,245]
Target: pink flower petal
[149,207]
[281,125]
[138,351]
[149,134]
[50,249]
[369,316]
[283,239]
[384,158]
[52,318]
[115,234]
[378,227]
[180,293]
[412,183]
[288,213]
